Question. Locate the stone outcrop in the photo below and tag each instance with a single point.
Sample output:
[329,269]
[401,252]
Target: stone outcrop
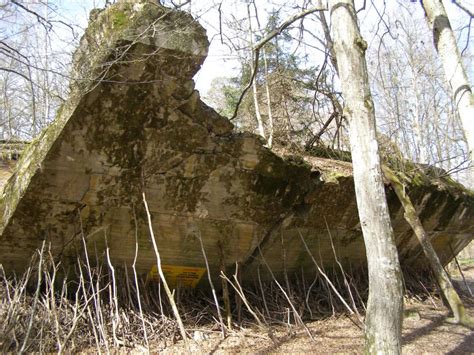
[134,124]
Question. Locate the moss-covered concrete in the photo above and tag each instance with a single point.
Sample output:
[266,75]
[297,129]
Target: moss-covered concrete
[135,124]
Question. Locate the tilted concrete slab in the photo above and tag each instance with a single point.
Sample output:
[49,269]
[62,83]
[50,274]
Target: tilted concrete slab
[135,124]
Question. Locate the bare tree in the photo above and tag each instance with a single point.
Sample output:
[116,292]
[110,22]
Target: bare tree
[385,303]
[445,44]
[33,69]
[413,103]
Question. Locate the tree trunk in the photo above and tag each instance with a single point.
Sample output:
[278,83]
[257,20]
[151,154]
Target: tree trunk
[269,103]
[261,130]
[442,277]
[385,304]
[445,44]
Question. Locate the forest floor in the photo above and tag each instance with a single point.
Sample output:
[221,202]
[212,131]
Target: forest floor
[425,331]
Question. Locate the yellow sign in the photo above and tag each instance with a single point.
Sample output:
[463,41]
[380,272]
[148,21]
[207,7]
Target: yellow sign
[178,276]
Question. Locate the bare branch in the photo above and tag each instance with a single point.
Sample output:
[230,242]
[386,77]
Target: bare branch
[40,18]
[468,36]
[285,24]
[257,46]
[463,8]
[178,6]
[15,72]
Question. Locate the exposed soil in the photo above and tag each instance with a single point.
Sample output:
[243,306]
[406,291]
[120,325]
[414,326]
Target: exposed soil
[425,331]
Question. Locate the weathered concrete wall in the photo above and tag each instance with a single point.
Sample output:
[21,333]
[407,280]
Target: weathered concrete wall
[134,124]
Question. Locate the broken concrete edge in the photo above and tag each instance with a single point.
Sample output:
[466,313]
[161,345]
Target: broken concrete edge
[114,30]
[411,174]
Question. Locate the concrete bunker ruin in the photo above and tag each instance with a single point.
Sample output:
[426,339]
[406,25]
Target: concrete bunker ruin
[135,124]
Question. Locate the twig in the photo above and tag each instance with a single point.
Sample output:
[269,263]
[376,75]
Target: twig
[324,275]
[346,283]
[212,284]
[95,290]
[225,289]
[47,25]
[295,312]
[262,292]
[162,275]
[238,288]
[35,301]
[137,286]
[113,296]
[463,8]
[460,270]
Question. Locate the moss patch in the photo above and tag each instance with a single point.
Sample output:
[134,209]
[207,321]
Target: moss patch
[119,18]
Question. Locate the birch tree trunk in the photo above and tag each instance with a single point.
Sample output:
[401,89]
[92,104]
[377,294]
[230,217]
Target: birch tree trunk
[385,303]
[445,44]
